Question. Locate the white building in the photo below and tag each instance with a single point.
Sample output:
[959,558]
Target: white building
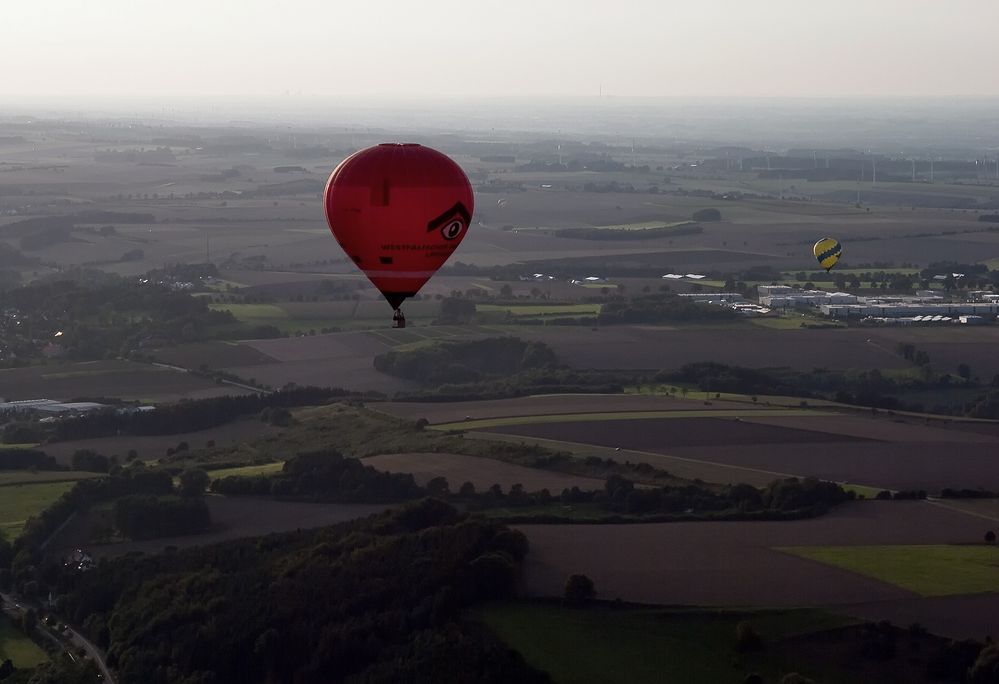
[910,309]
[712,296]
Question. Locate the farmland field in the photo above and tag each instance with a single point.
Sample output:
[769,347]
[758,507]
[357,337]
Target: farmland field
[927,570]
[18,502]
[246,471]
[12,477]
[212,354]
[866,451]
[986,509]
[539,309]
[612,421]
[17,647]
[895,430]
[343,359]
[958,617]
[123,379]
[736,564]
[152,447]
[654,348]
[237,517]
[481,472]
[645,645]
[664,434]
[685,468]
[890,465]
[540,405]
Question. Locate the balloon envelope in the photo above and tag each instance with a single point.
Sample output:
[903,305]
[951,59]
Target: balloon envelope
[399,211]
[827,251]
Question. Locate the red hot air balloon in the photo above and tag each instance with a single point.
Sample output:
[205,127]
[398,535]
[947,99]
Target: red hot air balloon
[399,211]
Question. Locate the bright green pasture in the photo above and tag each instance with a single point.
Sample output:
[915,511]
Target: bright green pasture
[16,477]
[19,502]
[247,471]
[14,645]
[927,570]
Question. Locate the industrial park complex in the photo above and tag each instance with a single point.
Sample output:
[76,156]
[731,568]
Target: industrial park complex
[923,307]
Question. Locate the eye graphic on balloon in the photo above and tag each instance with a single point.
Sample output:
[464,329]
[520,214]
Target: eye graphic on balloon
[452,222]
[452,230]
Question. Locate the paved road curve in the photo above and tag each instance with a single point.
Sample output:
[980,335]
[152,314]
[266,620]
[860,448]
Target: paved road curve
[19,607]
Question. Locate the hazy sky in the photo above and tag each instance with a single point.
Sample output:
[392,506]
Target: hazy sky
[435,48]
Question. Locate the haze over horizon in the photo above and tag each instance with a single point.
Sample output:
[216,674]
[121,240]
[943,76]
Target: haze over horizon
[70,50]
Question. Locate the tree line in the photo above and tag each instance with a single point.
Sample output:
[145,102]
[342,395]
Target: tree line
[188,416]
[376,600]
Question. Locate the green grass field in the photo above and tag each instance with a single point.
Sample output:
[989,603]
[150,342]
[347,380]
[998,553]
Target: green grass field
[647,225]
[782,323]
[861,490]
[621,415]
[14,645]
[539,309]
[21,501]
[303,317]
[247,471]
[252,312]
[13,477]
[930,570]
[645,645]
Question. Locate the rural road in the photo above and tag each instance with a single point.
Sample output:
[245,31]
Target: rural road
[181,369]
[18,607]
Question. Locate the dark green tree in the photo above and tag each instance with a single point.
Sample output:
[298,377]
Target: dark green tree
[578,590]
[747,638]
[986,667]
[193,482]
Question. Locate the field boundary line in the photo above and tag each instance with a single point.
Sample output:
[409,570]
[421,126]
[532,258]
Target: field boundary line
[651,414]
[489,435]
[941,504]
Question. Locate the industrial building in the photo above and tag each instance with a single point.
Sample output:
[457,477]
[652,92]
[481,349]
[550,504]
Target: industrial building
[49,406]
[924,307]
[792,298]
[881,309]
[712,296]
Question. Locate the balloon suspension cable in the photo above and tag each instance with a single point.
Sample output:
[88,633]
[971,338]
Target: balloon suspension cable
[398,319]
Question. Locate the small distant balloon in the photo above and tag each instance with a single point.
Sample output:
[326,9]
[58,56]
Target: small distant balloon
[827,252]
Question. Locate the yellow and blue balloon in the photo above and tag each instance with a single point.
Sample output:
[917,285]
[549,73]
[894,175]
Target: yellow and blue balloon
[827,251]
